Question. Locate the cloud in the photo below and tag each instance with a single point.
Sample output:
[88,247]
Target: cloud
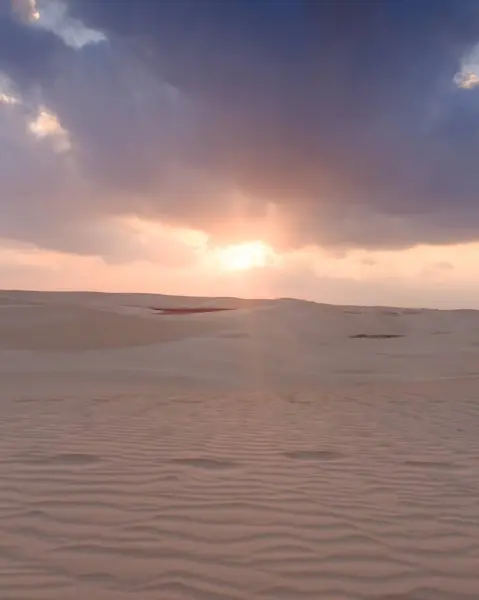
[6,99]
[26,10]
[47,125]
[437,269]
[467,77]
[331,123]
[467,80]
[52,16]
[436,277]
[48,203]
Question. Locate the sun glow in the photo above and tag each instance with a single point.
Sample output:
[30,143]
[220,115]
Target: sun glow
[239,257]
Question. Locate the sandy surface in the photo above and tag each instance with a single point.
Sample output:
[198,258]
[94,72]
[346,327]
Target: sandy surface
[260,453]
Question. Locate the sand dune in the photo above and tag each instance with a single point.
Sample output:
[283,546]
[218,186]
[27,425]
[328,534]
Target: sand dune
[265,452]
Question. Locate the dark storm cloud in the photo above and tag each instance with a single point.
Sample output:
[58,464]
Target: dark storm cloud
[344,115]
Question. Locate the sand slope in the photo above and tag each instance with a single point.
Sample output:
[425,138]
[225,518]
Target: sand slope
[262,453]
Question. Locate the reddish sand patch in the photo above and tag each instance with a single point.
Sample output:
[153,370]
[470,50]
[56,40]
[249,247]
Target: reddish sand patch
[186,311]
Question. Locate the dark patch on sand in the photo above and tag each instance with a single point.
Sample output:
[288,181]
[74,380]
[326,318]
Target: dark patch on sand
[376,336]
[314,455]
[206,463]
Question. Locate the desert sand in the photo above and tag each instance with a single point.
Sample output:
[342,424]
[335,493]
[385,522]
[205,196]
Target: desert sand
[282,450]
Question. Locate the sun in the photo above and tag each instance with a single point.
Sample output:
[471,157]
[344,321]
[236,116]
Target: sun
[239,257]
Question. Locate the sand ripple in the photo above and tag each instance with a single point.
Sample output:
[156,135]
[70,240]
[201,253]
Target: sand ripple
[361,494]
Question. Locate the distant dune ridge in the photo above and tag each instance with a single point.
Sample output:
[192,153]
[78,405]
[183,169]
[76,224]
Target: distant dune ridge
[262,449]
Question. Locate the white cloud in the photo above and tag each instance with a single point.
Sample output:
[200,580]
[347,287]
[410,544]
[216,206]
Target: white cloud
[52,15]
[468,76]
[467,80]
[6,99]
[7,96]
[47,125]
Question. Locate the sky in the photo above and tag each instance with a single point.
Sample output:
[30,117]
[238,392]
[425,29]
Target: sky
[325,150]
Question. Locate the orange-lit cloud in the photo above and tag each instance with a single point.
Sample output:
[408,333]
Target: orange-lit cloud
[415,277]
[26,10]
[47,125]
